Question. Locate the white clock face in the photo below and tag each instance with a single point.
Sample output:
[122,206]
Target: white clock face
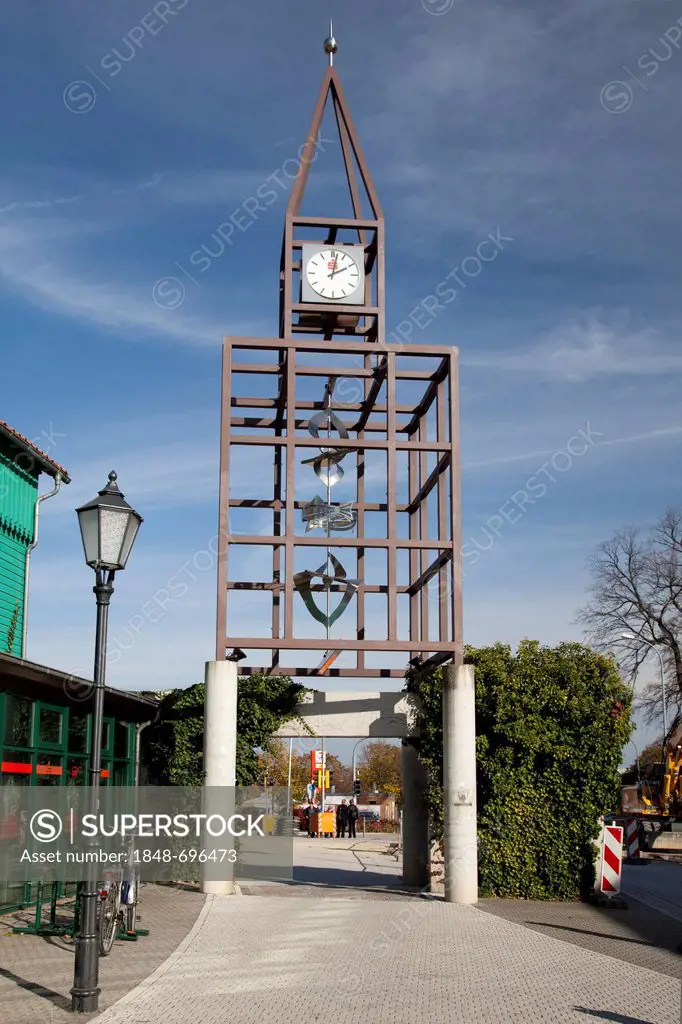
[333,274]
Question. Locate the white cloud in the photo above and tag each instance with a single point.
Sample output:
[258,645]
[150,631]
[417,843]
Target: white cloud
[39,204]
[34,261]
[172,474]
[590,344]
[650,435]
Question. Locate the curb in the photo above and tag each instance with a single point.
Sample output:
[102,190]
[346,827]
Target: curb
[608,902]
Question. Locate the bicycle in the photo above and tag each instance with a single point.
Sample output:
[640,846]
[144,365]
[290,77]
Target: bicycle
[110,911]
[118,908]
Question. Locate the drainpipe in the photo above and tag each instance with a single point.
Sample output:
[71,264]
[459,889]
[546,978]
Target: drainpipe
[138,745]
[131,878]
[27,569]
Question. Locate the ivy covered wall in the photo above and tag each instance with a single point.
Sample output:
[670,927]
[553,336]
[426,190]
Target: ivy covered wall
[172,752]
[551,726]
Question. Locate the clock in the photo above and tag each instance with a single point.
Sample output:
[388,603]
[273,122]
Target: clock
[333,274]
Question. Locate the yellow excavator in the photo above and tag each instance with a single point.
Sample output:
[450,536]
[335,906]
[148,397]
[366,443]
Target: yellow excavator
[657,802]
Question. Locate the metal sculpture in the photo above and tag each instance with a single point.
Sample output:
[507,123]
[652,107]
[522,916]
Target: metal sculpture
[321,514]
[318,514]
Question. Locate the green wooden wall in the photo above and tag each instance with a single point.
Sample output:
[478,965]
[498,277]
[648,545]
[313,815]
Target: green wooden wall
[18,495]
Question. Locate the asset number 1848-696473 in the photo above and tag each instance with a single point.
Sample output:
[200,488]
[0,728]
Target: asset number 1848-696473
[184,856]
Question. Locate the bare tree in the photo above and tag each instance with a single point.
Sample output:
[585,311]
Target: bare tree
[637,589]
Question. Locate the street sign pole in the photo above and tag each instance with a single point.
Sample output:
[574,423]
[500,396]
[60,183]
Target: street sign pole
[324,768]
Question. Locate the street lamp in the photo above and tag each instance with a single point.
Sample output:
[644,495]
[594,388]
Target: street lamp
[631,636]
[353,754]
[108,527]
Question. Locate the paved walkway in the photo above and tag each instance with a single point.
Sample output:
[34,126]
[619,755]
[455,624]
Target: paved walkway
[390,962]
[36,973]
[396,956]
[353,868]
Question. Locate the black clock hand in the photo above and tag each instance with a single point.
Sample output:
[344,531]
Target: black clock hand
[339,271]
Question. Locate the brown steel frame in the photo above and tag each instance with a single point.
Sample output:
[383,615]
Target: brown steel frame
[377,365]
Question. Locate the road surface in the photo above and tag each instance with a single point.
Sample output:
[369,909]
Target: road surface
[658,885]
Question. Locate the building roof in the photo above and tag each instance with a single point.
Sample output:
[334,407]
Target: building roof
[61,687]
[47,464]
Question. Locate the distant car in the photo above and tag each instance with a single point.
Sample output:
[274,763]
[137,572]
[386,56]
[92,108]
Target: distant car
[369,815]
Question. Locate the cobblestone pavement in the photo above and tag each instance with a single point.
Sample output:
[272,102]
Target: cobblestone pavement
[297,960]
[36,973]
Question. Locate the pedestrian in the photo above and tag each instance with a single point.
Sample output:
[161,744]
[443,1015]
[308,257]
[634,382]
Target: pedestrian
[306,811]
[352,818]
[341,820]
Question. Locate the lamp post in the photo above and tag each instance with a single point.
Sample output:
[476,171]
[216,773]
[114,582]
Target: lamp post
[108,527]
[362,740]
[631,636]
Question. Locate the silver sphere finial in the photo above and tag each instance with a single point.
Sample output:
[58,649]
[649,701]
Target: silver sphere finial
[330,44]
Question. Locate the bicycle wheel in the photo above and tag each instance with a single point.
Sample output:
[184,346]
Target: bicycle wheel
[109,913]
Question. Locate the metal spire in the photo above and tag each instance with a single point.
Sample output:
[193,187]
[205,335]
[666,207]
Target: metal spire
[330,45]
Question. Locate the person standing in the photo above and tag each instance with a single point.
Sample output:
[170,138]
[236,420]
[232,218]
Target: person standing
[352,818]
[341,820]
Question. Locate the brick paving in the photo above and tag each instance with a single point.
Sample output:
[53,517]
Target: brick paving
[288,961]
[329,892]
[36,973]
[397,956]
[637,935]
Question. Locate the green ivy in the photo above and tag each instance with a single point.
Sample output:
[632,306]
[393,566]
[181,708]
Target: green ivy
[551,725]
[11,632]
[174,746]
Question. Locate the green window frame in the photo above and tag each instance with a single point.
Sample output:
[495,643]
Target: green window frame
[50,730]
[8,707]
[50,713]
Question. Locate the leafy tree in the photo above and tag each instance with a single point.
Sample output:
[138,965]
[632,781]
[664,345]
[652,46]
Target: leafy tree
[342,774]
[273,762]
[379,765]
[637,588]
[551,727]
[174,746]
[643,766]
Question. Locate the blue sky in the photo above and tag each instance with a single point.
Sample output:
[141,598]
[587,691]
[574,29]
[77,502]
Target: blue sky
[132,134]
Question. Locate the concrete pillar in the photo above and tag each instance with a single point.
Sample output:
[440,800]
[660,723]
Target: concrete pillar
[459,785]
[415,818]
[220,754]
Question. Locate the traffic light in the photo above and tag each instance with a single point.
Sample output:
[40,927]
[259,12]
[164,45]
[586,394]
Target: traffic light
[356,787]
[319,778]
[326,779]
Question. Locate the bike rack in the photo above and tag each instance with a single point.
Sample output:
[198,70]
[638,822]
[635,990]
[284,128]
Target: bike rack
[48,928]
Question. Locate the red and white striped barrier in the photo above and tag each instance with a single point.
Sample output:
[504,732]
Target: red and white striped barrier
[632,838]
[611,859]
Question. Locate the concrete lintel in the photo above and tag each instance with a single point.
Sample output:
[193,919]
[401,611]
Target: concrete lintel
[340,713]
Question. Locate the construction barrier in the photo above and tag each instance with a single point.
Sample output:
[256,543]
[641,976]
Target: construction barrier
[632,838]
[611,859]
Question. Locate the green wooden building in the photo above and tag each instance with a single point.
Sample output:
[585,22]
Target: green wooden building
[21,464]
[45,713]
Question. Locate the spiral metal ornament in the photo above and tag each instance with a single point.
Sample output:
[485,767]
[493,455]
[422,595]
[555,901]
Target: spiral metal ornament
[322,514]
